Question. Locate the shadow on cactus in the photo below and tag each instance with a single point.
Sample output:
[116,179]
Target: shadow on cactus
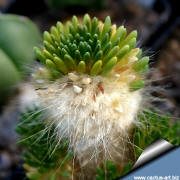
[91,87]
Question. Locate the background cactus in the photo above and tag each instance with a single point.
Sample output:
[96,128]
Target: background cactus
[9,76]
[91,84]
[18,36]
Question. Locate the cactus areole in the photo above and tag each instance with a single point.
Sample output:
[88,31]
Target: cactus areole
[91,82]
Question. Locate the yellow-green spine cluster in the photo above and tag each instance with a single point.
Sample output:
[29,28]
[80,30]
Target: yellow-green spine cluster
[89,47]
[82,46]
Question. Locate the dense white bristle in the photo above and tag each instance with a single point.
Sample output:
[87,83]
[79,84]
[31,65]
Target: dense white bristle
[94,113]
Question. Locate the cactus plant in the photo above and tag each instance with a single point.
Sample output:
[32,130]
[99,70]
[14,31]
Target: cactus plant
[9,76]
[91,86]
[18,35]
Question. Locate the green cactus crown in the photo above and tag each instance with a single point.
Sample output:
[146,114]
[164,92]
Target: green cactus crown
[91,47]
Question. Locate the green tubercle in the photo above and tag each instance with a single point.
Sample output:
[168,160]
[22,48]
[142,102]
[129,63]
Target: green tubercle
[136,85]
[96,68]
[142,65]
[81,67]
[108,67]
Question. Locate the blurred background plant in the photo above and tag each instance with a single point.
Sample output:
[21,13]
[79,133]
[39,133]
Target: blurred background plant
[18,36]
[157,23]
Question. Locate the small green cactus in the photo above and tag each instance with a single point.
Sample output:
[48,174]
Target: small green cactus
[18,36]
[42,157]
[9,76]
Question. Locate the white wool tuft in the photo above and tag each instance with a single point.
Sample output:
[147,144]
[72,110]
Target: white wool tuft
[94,113]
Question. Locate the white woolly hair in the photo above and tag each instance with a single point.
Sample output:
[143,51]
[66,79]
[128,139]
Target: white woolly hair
[95,114]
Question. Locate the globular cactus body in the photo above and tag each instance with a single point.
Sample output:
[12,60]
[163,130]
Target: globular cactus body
[17,38]
[92,85]
[9,76]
